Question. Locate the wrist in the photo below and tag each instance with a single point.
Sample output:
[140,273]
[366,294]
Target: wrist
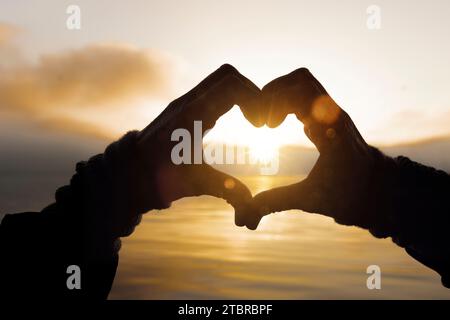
[133,171]
[105,190]
[382,194]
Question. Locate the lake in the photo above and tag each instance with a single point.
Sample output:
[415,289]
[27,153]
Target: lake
[194,251]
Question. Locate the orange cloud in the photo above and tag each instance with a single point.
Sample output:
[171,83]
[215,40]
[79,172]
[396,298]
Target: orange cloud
[60,87]
[7,33]
[94,77]
[74,126]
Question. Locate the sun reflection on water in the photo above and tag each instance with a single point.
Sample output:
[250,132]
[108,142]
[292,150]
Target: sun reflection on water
[194,251]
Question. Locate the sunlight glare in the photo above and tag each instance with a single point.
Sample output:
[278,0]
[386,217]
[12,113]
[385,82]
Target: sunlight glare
[233,129]
[263,147]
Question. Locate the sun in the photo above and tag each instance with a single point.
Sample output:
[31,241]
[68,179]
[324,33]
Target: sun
[263,146]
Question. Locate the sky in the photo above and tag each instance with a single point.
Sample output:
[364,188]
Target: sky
[65,94]
[131,58]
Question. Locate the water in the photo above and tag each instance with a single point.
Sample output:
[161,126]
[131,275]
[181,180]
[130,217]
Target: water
[194,250]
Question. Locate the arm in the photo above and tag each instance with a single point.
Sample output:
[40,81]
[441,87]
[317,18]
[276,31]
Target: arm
[83,227]
[414,210]
[355,183]
[108,194]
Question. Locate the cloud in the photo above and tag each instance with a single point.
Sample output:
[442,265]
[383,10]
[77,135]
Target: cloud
[7,33]
[96,76]
[412,125]
[74,126]
[61,90]
[9,51]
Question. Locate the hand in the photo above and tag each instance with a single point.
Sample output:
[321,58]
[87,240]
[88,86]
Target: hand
[341,182]
[209,100]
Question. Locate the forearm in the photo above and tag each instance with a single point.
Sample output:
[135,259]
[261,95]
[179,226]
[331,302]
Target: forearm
[102,203]
[411,205]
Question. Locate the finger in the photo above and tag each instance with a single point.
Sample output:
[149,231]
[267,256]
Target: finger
[302,196]
[211,80]
[253,111]
[300,93]
[293,93]
[233,88]
[209,100]
[175,108]
[328,126]
[274,108]
[205,180]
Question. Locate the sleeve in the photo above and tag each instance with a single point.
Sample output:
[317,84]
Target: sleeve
[412,206]
[41,253]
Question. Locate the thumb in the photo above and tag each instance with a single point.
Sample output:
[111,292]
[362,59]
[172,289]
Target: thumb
[208,181]
[302,196]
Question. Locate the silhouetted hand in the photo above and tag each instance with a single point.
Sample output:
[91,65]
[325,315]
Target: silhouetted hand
[209,100]
[339,184]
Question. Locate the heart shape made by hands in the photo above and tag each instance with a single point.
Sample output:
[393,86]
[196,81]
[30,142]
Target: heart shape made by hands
[334,187]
